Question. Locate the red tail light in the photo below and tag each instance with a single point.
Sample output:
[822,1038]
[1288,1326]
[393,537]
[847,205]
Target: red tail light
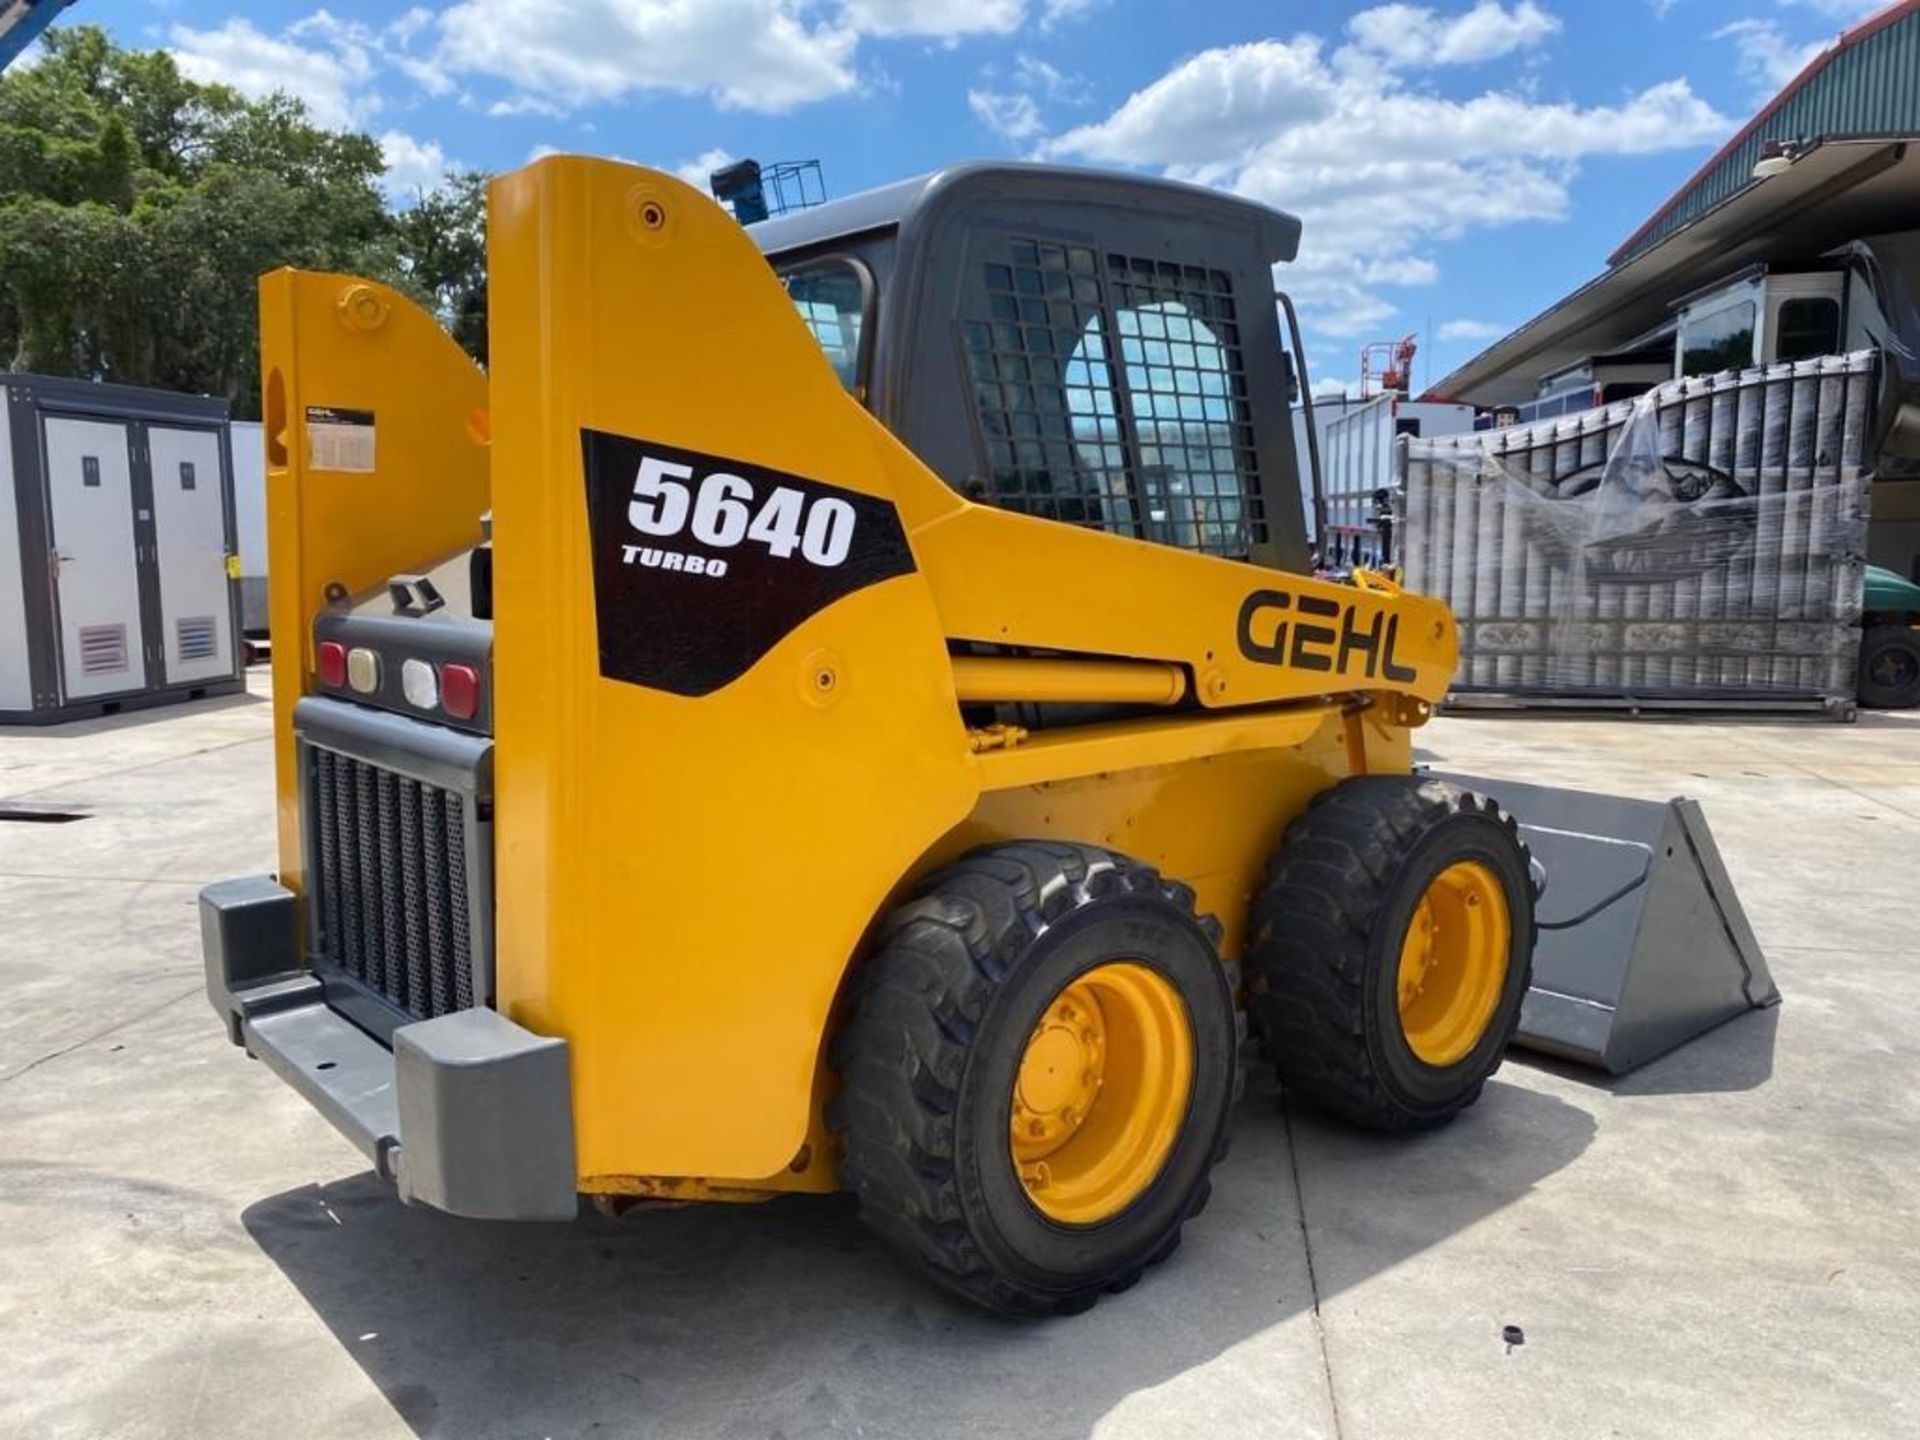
[332,663]
[460,691]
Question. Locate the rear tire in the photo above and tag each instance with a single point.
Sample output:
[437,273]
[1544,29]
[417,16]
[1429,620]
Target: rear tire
[948,1034]
[1890,667]
[1377,868]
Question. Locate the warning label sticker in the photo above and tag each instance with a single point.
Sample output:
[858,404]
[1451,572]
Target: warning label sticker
[339,439]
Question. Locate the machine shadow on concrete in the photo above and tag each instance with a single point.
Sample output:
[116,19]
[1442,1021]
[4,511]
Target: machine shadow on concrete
[789,1319]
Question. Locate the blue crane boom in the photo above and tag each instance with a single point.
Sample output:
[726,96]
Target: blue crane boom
[21,22]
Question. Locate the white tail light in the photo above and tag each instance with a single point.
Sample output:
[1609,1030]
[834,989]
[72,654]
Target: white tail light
[363,669]
[419,684]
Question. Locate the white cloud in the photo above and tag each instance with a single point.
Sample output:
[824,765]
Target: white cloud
[330,78]
[1037,77]
[943,19]
[765,55]
[391,43]
[1400,270]
[1220,102]
[524,105]
[425,73]
[330,64]
[332,67]
[413,166]
[1470,330]
[1766,56]
[551,57]
[1411,36]
[1378,170]
[1012,115]
[1845,11]
[1064,12]
[1012,111]
[412,23]
[697,170]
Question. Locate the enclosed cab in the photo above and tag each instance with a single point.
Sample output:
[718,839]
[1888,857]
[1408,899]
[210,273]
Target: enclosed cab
[1067,344]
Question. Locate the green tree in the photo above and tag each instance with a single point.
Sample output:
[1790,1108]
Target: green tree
[138,208]
[441,243]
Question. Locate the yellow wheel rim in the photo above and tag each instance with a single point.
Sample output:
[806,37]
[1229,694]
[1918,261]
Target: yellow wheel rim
[1101,1093]
[1453,963]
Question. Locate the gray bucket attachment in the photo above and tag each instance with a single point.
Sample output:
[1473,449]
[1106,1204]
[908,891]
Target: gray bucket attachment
[1643,943]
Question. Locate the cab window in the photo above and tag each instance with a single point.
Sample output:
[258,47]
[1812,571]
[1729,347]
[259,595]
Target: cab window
[831,297]
[1111,393]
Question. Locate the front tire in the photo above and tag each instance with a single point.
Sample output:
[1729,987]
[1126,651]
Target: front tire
[1036,1075]
[1392,944]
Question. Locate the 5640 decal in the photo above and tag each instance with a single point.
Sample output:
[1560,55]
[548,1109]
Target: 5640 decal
[782,547]
[721,509]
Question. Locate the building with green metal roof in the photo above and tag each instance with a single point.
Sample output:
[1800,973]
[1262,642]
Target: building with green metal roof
[1830,160]
[1799,238]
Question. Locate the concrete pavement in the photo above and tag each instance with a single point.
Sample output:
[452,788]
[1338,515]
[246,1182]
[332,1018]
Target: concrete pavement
[1725,1244]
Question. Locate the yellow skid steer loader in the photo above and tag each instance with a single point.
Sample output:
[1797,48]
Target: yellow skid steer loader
[840,705]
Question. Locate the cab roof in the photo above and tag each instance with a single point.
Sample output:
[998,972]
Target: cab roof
[910,205]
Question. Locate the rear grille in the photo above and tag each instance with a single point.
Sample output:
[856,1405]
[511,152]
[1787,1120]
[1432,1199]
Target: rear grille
[391,884]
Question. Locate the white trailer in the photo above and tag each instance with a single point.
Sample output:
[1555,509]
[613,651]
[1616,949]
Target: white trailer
[250,520]
[1357,472]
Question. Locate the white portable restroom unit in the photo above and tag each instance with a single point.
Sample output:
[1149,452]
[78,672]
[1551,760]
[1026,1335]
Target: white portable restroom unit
[117,559]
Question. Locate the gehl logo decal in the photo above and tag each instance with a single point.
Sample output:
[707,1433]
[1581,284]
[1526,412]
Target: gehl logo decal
[1277,628]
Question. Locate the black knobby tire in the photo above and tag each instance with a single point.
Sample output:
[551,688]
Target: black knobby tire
[1890,667]
[1326,928]
[940,1016]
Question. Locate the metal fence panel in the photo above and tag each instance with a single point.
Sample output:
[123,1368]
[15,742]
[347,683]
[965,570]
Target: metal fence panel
[1704,543]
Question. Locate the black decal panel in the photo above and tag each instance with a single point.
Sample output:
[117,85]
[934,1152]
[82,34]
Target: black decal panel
[702,564]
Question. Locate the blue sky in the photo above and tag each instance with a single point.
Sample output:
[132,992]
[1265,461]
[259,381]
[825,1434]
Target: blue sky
[1459,165]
